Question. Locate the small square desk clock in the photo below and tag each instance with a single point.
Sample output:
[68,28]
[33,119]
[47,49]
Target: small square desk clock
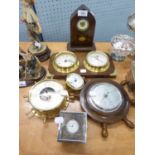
[82,29]
[73,128]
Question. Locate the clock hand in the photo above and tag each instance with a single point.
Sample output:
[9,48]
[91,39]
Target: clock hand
[97,58]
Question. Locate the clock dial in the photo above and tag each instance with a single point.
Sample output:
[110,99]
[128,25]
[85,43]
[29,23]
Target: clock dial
[65,60]
[47,95]
[97,59]
[82,25]
[105,97]
[75,81]
[72,126]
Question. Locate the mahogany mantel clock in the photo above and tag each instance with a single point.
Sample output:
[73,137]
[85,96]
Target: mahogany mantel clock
[82,28]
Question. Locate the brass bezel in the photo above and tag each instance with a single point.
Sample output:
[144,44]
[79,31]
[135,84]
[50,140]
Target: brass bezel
[65,69]
[92,68]
[70,86]
[47,114]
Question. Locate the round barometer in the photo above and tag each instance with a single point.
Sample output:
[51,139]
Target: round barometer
[96,61]
[75,81]
[47,98]
[105,101]
[65,62]
[104,98]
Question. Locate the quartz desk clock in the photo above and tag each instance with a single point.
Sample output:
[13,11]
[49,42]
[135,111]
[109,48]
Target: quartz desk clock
[82,29]
[73,127]
[105,101]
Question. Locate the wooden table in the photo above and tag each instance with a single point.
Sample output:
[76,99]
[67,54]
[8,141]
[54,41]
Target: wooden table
[37,138]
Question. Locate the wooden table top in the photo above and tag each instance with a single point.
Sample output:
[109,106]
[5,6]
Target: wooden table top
[37,138]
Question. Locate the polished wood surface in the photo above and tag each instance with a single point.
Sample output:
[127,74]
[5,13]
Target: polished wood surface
[37,138]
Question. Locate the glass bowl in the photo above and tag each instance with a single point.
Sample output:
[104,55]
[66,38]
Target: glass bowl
[122,46]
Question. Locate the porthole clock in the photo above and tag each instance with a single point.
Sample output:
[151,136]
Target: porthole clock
[82,28]
[65,62]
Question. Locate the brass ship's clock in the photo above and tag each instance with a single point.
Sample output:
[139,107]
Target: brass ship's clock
[82,28]
[65,62]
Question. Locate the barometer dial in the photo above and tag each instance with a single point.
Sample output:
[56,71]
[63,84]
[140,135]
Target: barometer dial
[97,61]
[105,101]
[105,97]
[47,95]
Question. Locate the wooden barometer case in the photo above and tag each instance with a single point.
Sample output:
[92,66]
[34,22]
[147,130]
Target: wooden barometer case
[82,28]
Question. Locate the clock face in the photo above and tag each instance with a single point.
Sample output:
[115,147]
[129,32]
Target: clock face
[65,60]
[105,97]
[47,95]
[72,126]
[82,25]
[97,59]
[75,81]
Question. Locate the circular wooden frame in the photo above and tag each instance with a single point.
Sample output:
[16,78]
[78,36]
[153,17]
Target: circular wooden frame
[124,98]
[108,118]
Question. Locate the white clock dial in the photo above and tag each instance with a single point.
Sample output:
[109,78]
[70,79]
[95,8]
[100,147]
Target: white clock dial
[47,95]
[82,25]
[72,126]
[75,81]
[105,97]
[65,60]
[97,59]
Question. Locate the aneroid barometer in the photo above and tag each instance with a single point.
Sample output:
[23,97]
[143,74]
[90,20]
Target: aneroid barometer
[65,62]
[97,61]
[82,29]
[47,98]
[105,101]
